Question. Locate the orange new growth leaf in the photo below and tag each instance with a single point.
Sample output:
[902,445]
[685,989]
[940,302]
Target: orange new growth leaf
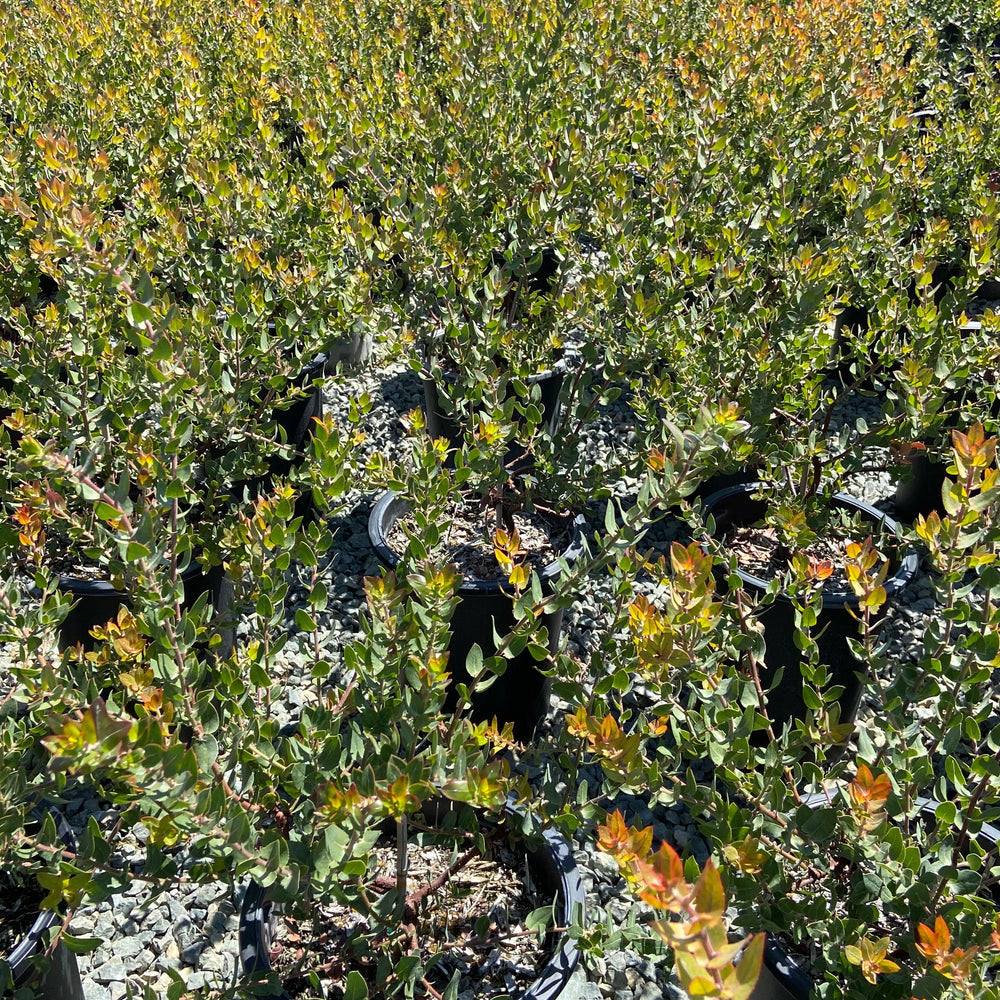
[623,843]
[867,791]
[868,796]
[661,881]
[820,569]
[933,944]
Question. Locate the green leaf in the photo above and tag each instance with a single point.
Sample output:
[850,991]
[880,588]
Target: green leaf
[355,987]
[945,813]
[162,350]
[451,991]
[951,497]
[610,524]
[207,752]
[105,511]
[318,595]
[811,699]
[144,289]
[305,621]
[539,919]
[138,314]
[80,945]
[748,969]
[817,824]
[135,551]
[474,661]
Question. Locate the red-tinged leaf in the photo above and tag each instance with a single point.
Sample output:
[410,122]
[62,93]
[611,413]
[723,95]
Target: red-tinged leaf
[934,944]
[613,835]
[709,896]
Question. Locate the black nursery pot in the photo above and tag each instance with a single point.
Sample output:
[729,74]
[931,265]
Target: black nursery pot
[441,421]
[737,507]
[554,875]
[59,978]
[294,425]
[97,602]
[521,695]
[781,978]
[295,421]
[918,490]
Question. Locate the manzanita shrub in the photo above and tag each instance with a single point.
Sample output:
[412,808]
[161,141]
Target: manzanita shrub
[734,216]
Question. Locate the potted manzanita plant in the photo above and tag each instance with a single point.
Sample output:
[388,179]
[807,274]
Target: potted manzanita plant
[493,303]
[138,419]
[508,542]
[786,537]
[880,871]
[38,954]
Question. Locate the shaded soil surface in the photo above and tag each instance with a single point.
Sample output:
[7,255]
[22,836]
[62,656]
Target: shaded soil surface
[473,927]
[470,540]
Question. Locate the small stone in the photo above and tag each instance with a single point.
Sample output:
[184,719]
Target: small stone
[141,962]
[191,954]
[604,867]
[126,947]
[648,991]
[215,961]
[579,989]
[166,962]
[185,933]
[82,924]
[111,971]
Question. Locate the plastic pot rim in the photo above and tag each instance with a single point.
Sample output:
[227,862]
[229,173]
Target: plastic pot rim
[904,572]
[389,508]
[560,366]
[19,958]
[85,587]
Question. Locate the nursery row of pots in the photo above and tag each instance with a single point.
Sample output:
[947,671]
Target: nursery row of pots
[486,610]
[521,695]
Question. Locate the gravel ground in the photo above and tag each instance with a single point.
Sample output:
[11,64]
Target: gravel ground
[191,932]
